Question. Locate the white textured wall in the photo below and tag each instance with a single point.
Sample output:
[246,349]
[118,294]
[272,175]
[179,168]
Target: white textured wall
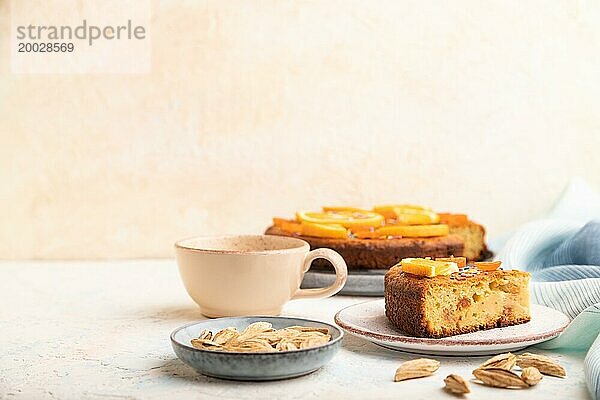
[260,108]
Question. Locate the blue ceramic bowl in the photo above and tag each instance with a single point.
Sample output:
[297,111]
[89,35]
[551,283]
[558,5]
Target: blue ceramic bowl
[258,366]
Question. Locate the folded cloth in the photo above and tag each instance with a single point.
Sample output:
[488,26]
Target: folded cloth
[563,257]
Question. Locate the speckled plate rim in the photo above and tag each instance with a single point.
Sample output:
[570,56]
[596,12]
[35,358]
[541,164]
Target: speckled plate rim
[267,353]
[449,341]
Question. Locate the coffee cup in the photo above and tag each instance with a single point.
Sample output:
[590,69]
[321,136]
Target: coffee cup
[251,274]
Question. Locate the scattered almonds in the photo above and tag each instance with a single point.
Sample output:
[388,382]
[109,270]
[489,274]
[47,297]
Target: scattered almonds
[531,376]
[416,369]
[261,337]
[497,371]
[456,384]
[544,364]
[498,377]
[502,361]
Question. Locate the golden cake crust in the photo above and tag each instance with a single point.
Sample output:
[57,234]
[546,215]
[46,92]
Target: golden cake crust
[380,253]
[406,298]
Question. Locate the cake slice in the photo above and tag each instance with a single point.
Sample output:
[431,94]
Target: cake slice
[434,299]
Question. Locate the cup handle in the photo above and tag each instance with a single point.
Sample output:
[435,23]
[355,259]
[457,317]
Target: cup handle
[341,274]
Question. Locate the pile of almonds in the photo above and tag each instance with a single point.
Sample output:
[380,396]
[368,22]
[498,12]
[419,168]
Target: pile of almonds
[260,336]
[496,372]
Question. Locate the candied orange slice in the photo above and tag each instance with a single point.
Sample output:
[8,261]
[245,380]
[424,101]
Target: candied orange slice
[347,219]
[429,268]
[488,266]
[414,230]
[460,261]
[287,225]
[389,210]
[366,234]
[406,216]
[344,208]
[454,219]
[324,230]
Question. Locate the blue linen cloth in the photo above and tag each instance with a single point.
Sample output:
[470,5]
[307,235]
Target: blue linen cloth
[563,257]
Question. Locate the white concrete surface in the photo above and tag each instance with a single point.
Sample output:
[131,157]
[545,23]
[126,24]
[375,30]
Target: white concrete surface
[82,330]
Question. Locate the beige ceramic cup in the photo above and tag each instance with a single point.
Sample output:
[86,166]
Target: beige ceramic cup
[250,274]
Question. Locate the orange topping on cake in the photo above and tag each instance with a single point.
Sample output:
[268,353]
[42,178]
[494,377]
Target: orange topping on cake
[488,266]
[389,211]
[347,219]
[384,222]
[409,216]
[324,230]
[454,219]
[426,267]
[287,225]
[366,234]
[344,208]
[460,261]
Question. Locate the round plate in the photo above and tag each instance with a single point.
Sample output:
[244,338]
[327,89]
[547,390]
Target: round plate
[255,366]
[368,320]
[363,282]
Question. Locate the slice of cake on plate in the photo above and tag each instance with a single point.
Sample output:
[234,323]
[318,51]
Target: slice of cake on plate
[427,298]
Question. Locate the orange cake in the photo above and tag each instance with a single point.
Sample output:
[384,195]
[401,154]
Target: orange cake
[378,238]
[427,298]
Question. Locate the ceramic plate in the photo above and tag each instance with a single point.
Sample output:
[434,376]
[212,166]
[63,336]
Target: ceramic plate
[257,366]
[364,282]
[368,320]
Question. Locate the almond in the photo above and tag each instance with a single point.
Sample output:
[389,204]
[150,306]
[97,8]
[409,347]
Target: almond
[416,369]
[498,377]
[502,361]
[531,376]
[544,364]
[456,384]
[225,335]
